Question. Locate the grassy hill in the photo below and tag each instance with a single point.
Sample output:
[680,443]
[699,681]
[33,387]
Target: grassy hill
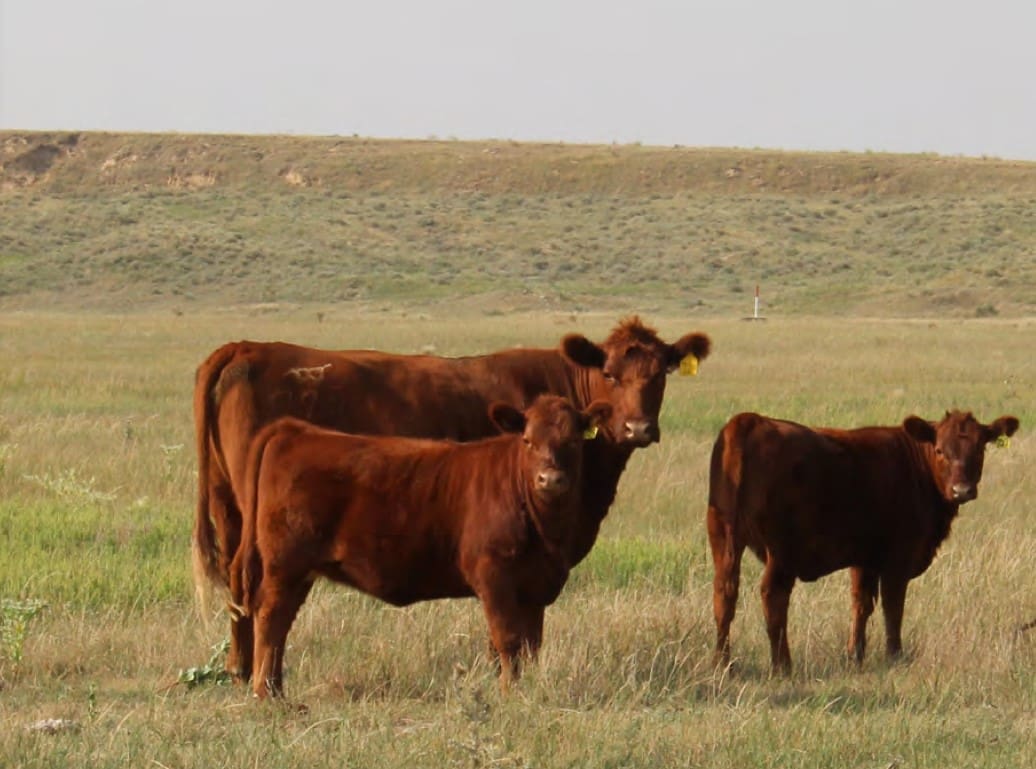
[139,221]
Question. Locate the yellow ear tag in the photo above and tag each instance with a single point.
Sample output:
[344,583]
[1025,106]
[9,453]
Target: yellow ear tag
[1003,441]
[689,365]
[590,433]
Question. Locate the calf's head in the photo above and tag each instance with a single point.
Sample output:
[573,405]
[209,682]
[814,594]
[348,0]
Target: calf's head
[629,371]
[959,446]
[552,431]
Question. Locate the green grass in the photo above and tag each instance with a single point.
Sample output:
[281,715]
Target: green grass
[894,285]
[97,484]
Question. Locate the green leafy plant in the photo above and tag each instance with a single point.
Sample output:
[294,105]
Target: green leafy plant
[15,617]
[212,672]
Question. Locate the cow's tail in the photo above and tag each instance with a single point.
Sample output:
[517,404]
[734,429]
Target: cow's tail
[726,469]
[205,550]
[248,564]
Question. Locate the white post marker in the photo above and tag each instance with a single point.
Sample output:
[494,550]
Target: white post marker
[755,311]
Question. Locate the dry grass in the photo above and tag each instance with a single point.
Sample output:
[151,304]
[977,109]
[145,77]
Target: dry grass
[110,221]
[96,410]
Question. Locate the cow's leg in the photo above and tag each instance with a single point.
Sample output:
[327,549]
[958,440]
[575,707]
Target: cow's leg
[227,519]
[864,595]
[893,596]
[532,630]
[726,580]
[242,635]
[776,591]
[280,603]
[242,644]
[513,629]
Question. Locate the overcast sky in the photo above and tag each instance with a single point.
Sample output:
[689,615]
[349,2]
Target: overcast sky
[947,76]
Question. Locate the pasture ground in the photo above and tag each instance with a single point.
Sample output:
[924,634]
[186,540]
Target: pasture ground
[97,481]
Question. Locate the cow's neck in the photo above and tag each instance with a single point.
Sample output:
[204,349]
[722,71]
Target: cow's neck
[603,463]
[942,510]
[551,522]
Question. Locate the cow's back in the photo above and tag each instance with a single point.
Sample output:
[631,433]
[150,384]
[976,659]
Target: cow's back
[822,500]
[393,517]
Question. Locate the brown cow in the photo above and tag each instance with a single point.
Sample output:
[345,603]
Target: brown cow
[409,520]
[245,385]
[876,500]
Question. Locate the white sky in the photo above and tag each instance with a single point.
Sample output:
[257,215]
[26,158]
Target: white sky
[946,76]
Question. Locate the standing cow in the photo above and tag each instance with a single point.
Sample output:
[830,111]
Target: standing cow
[876,500]
[409,520]
[245,385]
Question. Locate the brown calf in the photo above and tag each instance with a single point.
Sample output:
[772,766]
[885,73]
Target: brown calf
[807,502]
[409,520]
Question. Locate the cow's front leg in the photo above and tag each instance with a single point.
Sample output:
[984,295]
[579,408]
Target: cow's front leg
[514,629]
[864,596]
[893,596]
[776,592]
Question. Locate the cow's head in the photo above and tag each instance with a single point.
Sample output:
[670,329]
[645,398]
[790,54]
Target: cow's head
[629,370]
[552,431]
[959,447]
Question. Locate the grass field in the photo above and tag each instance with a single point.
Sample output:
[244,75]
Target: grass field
[96,506]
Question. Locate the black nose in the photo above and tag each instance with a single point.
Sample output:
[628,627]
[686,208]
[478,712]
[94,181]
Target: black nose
[551,481]
[640,431]
[963,492]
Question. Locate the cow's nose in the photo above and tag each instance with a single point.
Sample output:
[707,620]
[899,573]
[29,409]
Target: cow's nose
[552,481]
[641,431]
[963,492]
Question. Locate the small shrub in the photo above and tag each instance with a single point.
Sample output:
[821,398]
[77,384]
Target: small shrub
[15,617]
[212,672]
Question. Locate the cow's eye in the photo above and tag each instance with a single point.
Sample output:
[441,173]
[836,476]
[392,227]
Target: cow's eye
[609,378]
[938,451]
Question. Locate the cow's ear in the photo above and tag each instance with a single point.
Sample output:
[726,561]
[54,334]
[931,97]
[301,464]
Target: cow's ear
[1002,426]
[581,351]
[506,417]
[921,430]
[696,344]
[596,414]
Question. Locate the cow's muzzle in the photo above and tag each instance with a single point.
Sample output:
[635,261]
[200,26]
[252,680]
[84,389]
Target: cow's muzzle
[963,492]
[551,482]
[640,432]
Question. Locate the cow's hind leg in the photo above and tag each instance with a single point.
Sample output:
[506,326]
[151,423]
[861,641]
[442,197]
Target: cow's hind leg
[864,596]
[242,632]
[776,592]
[280,603]
[242,645]
[893,597]
[227,521]
[726,581]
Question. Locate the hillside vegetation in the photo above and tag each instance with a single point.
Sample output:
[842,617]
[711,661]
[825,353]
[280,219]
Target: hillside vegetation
[143,221]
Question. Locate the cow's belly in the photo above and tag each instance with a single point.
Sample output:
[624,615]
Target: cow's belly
[812,559]
[400,584]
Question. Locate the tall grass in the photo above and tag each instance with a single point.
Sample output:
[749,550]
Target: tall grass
[96,507]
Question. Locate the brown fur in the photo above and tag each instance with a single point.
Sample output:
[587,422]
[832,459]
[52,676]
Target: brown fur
[243,386]
[876,500]
[410,520]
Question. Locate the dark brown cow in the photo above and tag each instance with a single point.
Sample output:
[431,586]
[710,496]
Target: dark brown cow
[243,386]
[876,500]
[409,520]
